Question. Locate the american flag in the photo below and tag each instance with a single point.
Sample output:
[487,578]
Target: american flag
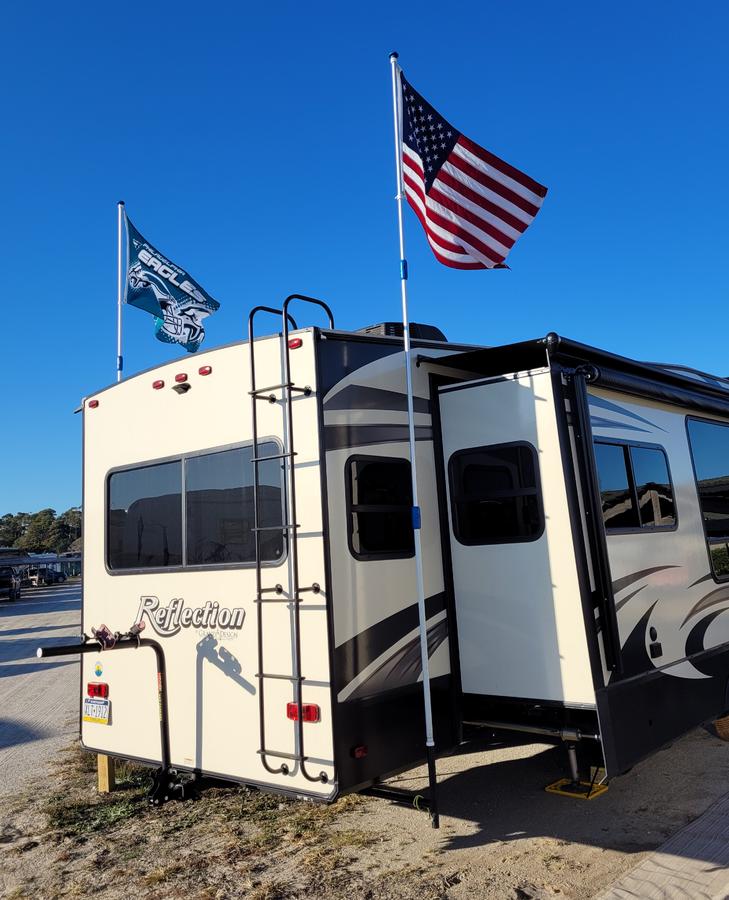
[472,205]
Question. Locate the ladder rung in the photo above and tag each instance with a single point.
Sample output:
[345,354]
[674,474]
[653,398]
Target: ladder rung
[272,387]
[278,387]
[277,527]
[278,589]
[278,600]
[294,756]
[281,677]
[256,459]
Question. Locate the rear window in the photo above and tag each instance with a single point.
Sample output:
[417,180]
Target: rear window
[196,511]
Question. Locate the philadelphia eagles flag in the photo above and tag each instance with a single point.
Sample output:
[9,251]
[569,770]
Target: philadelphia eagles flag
[161,288]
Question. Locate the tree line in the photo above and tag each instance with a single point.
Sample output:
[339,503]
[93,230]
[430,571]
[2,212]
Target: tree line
[42,532]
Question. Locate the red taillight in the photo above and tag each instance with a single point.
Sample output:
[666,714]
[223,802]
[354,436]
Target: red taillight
[158,385]
[359,752]
[204,370]
[311,712]
[97,689]
[181,377]
[295,343]
[93,404]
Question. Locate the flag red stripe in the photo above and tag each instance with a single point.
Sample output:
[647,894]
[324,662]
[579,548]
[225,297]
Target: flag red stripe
[503,167]
[496,186]
[451,227]
[479,199]
[453,264]
[488,227]
[465,235]
[467,216]
[418,188]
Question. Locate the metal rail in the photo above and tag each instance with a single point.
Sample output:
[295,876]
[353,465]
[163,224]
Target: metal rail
[166,781]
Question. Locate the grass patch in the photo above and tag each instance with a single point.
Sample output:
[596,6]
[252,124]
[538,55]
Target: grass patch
[164,874]
[73,818]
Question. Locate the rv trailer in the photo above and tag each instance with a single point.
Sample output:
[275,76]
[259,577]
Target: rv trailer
[251,509]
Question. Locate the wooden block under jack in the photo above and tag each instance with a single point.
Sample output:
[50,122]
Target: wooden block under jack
[106,773]
[582,790]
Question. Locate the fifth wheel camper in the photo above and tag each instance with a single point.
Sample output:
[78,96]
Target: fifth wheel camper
[249,540]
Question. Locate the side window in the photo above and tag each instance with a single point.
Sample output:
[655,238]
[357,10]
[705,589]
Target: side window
[709,442]
[379,501]
[635,487]
[145,517]
[219,507]
[495,494]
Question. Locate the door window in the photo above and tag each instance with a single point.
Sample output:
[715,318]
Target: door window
[495,494]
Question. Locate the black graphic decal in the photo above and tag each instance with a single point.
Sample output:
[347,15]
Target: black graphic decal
[634,654]
[354,655]
[715,665]
[720,595]
[357,396]
[621,604]
[614,407]
[338,437]
[622,583]
[403,668]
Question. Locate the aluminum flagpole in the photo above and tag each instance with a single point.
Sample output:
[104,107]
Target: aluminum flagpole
[422,618]
[119,292]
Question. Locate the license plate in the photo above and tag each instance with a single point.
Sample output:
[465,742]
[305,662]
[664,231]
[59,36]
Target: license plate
[96,710]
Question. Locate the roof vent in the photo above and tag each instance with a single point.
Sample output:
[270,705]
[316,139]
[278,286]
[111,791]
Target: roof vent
[394,329]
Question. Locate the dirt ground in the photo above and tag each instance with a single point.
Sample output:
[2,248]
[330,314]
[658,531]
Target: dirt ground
[501,835]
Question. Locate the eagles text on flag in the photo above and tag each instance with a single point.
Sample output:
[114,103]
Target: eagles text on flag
[472,205]
[167,292]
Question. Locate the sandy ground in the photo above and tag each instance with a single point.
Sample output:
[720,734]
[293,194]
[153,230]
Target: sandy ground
[502,836]
[38,710]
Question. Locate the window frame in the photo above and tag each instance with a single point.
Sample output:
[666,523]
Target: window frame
[632,485]
[351,511]
[196,567]
[526,539]
[709,541]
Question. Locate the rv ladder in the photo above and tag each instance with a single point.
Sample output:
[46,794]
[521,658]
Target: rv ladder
[288,529]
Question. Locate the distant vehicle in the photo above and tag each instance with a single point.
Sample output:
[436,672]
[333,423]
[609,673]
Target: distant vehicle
[44,576]
[9,583]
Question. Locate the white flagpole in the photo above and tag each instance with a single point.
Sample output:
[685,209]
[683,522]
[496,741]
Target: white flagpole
[429,743]
[119,292]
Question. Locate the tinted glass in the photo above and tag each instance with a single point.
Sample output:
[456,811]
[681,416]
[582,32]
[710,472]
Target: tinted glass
[495,495]
[710,450]
[380,494]
[653,486]
[145,517]
[618,509]
[720,559]
[219,506]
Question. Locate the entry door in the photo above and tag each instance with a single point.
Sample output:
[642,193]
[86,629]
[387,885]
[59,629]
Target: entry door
[520,625]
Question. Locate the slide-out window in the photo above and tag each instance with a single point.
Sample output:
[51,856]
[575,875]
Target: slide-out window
[635,487]
[495,494]
[379,500]
[709,443]
[195,511]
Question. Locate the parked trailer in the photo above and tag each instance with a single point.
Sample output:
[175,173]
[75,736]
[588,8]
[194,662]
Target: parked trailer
[252,509]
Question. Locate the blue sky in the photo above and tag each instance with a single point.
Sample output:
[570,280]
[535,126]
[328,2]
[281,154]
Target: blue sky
[254,148]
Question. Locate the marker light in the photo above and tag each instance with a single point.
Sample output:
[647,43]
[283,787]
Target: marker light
[181,377]
[157,385]
[295,343]
[97,689]
[92,404]
[204,370]
[311,712]
[359,752]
